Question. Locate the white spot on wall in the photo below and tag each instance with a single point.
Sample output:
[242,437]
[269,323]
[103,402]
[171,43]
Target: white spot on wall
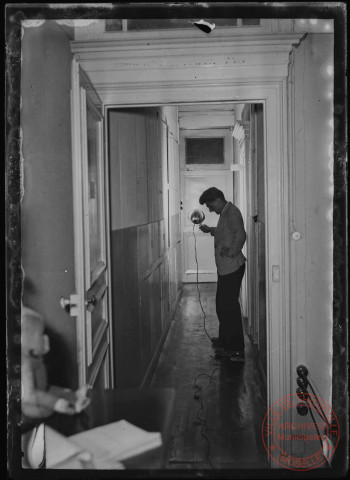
[330,70]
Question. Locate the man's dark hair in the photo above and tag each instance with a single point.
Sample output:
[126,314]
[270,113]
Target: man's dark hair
[211,194]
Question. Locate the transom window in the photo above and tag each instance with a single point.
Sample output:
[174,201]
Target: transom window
[204,151]
[117,25]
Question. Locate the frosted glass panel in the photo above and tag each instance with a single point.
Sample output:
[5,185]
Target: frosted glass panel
[93,192]
[166,23]
[114,25]
[250,21]
[133,24]
[157,23]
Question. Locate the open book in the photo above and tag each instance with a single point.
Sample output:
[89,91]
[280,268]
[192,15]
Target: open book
[99,448]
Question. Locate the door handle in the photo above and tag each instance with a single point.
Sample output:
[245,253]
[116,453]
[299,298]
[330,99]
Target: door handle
[90,303]
[70,305]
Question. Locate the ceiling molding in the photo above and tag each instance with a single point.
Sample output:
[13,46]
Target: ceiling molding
[112,64]
[172,42]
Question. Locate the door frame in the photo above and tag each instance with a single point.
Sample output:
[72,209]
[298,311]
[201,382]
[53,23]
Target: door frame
[253,69]
[78,300]
[273,96]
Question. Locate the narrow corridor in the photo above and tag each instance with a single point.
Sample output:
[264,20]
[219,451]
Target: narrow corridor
[230,400]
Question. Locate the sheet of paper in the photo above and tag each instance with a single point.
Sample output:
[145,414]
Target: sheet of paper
[116,442]
[62,453]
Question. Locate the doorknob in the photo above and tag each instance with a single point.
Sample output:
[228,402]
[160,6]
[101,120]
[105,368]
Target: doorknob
[90,303]
[70,305]
[65,304]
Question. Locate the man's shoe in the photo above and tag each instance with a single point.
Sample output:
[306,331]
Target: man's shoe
[237,357]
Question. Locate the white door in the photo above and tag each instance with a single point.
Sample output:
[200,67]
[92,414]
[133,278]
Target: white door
[91,303]
[205,159]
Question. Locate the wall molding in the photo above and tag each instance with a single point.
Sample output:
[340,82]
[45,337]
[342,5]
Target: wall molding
[185,61]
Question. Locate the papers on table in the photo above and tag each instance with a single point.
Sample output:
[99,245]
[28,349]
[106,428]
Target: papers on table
[116,441]
[61,453]
[99,448]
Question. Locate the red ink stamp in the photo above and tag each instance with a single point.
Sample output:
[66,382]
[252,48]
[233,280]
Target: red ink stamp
[300,433]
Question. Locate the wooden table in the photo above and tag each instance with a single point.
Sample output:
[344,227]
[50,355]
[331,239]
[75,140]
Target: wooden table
[149,409]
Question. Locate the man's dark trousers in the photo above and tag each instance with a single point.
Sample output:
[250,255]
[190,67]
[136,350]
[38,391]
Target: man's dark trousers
[228,310]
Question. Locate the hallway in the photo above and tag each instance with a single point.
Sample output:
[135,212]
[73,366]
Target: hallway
[230,396]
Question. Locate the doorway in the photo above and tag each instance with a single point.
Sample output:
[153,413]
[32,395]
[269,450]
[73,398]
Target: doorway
[206,155]
[152,190]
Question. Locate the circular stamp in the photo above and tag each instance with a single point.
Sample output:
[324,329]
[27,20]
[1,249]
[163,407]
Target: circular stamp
[300,432]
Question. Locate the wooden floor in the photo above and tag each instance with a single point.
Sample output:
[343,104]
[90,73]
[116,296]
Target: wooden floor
[221,428]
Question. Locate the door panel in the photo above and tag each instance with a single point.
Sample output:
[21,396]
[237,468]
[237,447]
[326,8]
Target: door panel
[93,200]
[91,259]
[256,236]
[260,233]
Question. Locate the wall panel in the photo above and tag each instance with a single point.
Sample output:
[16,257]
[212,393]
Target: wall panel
[152,164]
[142,307]
[141,169]
[145,323]
[143,251]
[128,169]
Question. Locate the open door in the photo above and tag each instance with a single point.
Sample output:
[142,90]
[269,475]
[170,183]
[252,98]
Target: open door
[257,233]
[90,304]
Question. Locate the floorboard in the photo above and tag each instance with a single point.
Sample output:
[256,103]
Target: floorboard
[221,428]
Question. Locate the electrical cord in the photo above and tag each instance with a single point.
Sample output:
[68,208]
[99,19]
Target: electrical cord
[201,408]
[321,411]
[317,410]
[197,396]
[313,419]
[199,293]
[324,418]
[323,415]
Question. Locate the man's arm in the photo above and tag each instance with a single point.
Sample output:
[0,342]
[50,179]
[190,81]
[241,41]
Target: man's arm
[237,236]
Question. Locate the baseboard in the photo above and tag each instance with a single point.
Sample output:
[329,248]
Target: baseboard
[154,361]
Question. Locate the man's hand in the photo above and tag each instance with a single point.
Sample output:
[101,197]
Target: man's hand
[63,406]
[205,228]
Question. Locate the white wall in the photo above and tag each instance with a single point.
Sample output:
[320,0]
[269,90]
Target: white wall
[47,205]
[311,203]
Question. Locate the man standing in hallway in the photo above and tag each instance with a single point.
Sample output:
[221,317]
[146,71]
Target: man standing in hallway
[229,238]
